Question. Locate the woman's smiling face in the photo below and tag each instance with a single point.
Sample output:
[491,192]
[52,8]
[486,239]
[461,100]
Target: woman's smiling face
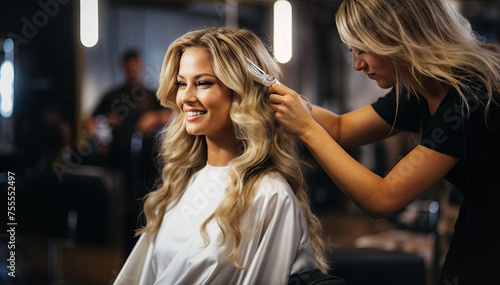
[202,98]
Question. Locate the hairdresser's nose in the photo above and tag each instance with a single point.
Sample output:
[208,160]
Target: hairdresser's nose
[358,63]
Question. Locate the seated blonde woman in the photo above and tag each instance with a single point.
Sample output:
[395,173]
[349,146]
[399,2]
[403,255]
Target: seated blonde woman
[232,208]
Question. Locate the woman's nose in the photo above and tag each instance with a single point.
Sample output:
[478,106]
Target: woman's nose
[188,95]
[358,63]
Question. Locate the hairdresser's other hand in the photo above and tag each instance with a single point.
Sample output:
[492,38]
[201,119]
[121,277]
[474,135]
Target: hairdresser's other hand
[291,111]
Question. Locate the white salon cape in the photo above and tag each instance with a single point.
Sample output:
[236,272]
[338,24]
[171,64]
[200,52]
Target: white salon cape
[275,242]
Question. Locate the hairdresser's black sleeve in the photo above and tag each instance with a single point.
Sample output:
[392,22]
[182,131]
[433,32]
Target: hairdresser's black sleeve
[408,117]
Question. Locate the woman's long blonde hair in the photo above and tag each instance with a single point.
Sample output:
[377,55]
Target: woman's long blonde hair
[263,147]
[427,38]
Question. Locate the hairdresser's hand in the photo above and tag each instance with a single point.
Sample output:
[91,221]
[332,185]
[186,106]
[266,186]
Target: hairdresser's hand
[291,110]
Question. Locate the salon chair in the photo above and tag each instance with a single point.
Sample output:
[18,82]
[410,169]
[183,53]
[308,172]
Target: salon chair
[405,255]
[370,266]
[315,278]
[81,206]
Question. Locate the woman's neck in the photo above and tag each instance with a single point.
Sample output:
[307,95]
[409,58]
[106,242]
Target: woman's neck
[433,91]
[220,151]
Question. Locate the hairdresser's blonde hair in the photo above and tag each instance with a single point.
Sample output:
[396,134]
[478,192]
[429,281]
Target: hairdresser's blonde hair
[426,38]
[263,147]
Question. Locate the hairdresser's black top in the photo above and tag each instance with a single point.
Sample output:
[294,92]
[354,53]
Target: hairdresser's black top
[474,254]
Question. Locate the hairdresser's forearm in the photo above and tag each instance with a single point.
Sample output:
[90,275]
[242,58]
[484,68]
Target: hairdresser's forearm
[355,128]
[362,186]
[328,120]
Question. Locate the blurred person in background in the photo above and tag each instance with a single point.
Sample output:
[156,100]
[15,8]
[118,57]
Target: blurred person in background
[123,128]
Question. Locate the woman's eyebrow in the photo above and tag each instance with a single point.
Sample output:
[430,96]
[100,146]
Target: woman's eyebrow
[197,76]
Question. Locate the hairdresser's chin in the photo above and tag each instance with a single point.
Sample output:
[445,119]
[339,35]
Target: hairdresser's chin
[382,82]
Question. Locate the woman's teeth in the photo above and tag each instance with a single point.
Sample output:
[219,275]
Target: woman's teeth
[194,113]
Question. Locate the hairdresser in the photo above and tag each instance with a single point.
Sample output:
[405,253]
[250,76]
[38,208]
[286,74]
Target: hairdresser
[444,85]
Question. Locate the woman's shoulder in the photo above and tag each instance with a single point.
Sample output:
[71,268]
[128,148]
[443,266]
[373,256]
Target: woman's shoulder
[275,197]
[475,88]
[475,97]
[274,183]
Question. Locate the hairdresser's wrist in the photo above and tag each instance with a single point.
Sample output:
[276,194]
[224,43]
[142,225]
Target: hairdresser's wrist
[304,98]
[308,133]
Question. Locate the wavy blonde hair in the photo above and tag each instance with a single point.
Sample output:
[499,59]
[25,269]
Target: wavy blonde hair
[427,38]
[263,147]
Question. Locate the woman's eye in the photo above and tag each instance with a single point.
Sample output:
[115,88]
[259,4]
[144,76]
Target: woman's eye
[205,83]
[358,51]
[202,83]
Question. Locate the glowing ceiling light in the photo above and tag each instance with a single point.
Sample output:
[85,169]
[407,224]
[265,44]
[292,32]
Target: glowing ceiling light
[89,22]
[6,88]
[282,31]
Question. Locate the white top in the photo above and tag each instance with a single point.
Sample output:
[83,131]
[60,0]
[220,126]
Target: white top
[275,242]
